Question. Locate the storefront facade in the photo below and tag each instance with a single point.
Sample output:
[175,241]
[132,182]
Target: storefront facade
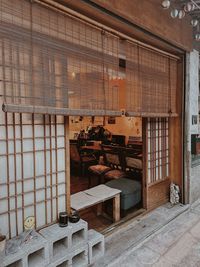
[56,63]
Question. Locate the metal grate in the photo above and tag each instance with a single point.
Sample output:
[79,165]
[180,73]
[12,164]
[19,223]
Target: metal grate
[32,163]
[158,149]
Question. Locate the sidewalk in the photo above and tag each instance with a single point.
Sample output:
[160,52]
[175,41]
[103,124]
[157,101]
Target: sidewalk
[167,236]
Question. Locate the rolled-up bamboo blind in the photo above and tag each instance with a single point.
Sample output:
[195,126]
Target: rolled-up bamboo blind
[151,81]
[56,61]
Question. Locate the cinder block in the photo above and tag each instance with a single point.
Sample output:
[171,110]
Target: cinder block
[59,240]
[79,256]
[96,246]
[17,259]
[79,233]
[32,253]
[63,262]
[37,251]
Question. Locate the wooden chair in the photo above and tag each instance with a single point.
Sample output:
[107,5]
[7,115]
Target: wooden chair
[132,164]
[82,161]
[114,160]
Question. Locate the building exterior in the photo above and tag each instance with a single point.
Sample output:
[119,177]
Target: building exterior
[135,61]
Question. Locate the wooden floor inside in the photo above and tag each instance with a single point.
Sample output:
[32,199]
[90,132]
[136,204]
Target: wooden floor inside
[99,223]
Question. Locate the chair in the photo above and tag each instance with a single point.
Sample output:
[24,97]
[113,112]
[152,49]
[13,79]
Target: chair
[132,164]
[113,160]
[82,161]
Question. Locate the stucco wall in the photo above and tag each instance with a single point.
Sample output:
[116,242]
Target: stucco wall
[192,174]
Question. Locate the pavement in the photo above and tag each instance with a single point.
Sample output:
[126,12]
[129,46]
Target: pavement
[169,236]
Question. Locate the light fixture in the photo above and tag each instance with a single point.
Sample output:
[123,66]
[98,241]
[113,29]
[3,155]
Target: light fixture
[189,7]
[197,36]
[166,4]
[194,22]
[174,13]
[181,14]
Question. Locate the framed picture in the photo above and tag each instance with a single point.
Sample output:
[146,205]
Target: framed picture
[111,120]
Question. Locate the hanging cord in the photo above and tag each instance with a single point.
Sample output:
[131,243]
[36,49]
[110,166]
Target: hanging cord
[31,92]
[103,66]
[169,89]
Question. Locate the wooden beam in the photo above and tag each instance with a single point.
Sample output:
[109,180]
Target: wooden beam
[13,108]
[67,165]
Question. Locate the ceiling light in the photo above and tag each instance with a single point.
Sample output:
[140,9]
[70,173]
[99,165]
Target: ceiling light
[181,14]
[194,22]
[174,13]
[166,4]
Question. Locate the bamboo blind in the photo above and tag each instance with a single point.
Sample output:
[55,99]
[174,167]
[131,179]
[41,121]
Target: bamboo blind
[32,164]
[158,149]
[51,59]
[151,79]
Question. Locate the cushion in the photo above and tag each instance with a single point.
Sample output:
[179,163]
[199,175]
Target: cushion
[114,174]
[99,169]
[130,192]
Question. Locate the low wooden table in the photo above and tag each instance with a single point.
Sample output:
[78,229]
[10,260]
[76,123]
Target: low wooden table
[97,195]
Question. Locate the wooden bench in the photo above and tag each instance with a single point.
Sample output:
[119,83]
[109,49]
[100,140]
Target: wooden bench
[97,195]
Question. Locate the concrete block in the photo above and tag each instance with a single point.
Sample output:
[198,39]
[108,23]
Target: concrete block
[59,240]
[96,246]
[32,253]
[79,233]
[17,259]
[62,262]
[37,251]
[80,256]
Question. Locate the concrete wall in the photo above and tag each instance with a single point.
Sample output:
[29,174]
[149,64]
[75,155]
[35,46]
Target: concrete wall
[192,174]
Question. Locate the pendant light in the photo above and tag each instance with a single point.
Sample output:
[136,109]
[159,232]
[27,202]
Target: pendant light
[166,4]
[181,14]
[189,7]
[174,13]
[194,22]
[197,36]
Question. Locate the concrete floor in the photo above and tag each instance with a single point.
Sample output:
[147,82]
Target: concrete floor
[168,236]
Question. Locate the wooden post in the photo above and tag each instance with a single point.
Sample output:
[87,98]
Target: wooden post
[116,208]
[67,164]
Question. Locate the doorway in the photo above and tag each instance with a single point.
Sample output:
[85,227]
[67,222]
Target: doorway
[115,143]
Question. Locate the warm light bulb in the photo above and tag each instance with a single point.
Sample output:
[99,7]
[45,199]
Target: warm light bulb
[188,7]
[197,36]
[166,4]
[174,13]
[194,22]
[181,14]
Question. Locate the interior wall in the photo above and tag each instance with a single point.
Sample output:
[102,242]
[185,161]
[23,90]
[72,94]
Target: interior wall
[128,126]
